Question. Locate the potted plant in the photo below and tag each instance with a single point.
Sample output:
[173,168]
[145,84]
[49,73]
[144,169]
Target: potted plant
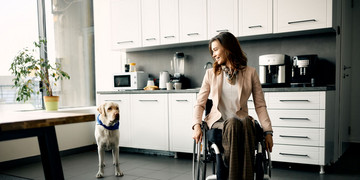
[26,68]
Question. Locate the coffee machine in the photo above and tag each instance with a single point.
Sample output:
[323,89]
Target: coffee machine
[274,70]
[303,70]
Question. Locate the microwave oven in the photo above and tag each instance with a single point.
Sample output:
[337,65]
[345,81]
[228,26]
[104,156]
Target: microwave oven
[130,80]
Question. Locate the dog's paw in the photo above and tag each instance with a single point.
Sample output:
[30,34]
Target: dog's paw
[99,175]
[119,174]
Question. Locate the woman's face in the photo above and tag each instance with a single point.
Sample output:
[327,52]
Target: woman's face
[218,52]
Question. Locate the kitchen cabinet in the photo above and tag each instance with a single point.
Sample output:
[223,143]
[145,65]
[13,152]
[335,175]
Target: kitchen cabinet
[124,106]
[149,121]
[192,20]
[125,24]
[181,106]
[150,21]
[222,17]
[169,21]
[298,15]
[303,125]
[255,17]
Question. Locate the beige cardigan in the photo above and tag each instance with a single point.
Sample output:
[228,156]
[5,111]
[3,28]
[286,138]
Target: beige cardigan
[248,82]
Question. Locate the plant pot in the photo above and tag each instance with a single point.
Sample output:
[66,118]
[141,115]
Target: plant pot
[51,103]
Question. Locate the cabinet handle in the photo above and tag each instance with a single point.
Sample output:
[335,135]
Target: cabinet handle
[294,100]
[285,118]
[301,137]
[146,100]
[123,42]
[193,34]
[290,154]
[150,39]
[184,100]
[301,21]
[257,26]
[222,30]
[113,100]
[166,37]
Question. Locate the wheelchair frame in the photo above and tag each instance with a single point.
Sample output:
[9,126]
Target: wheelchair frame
[203,154]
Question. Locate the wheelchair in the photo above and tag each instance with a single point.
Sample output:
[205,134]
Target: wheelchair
[209,151]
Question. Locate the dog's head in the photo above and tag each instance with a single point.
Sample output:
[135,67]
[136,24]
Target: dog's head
[109,113]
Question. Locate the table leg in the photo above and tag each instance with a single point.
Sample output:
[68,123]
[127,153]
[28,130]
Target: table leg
[50,155]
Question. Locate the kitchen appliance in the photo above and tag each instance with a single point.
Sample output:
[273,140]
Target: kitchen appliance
[274,70]
[163,79]
[130,80]
[303,70]
[178,66]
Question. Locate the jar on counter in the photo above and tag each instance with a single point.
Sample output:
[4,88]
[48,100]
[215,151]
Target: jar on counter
[132,67]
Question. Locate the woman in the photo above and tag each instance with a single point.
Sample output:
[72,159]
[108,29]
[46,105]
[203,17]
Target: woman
[229,84]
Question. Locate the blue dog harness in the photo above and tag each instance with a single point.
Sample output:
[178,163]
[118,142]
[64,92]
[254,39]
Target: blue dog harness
[115,127]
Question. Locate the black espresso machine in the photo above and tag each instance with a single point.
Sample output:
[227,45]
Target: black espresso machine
[304,70]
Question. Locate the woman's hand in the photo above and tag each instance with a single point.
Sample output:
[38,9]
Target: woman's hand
[197,136]
[269,142]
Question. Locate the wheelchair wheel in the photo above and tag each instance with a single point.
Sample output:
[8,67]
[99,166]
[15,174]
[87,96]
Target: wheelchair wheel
[199,161]
[262,162]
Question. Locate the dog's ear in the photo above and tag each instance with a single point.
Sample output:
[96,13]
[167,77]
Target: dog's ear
[101,109]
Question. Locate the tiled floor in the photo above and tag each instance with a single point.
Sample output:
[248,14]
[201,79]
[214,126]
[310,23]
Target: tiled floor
[83,166]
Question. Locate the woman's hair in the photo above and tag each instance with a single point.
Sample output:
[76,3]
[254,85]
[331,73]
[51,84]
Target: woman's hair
[233,51]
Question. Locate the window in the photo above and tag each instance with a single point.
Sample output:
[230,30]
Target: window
[70,41]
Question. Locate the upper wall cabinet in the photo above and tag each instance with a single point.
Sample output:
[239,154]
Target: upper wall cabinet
[223,16]
[125,24]
[150,21]
[192,17]
[297,15]
[255,17]
[169,21]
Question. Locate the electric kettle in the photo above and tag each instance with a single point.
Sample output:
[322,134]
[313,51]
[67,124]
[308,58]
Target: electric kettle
[164,78]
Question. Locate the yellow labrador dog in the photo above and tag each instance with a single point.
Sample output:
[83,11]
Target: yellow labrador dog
[107,135]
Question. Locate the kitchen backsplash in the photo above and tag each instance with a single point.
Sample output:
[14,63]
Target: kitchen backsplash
[154,61]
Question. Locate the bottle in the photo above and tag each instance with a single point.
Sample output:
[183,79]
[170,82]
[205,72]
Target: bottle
[132,67]
[127,66]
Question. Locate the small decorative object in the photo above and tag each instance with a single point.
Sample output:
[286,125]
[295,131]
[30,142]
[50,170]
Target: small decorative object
[26,67]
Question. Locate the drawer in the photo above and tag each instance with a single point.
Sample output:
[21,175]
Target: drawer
[295,100]
[298,154]
[299,136]
[298,118]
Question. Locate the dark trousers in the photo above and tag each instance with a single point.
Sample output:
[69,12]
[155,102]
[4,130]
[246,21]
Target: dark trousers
[238,141]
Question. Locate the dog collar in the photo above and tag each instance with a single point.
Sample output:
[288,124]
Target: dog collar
[115,127]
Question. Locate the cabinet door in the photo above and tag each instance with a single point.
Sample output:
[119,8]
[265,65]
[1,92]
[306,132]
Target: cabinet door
[125,24]
[150,22]
[180,121]
[255,17]
[124,106]
[169,21]
[149,121]
[223,16]
[192,15]
[297,15]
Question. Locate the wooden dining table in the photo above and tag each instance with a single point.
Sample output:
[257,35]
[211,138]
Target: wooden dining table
[15,125]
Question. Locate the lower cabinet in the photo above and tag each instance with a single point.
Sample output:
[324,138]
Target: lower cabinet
[149,121]
[303,125]
[181,107]
[155,121]
[124,105]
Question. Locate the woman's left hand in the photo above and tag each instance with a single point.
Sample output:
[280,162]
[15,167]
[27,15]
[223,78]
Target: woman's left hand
[269,142]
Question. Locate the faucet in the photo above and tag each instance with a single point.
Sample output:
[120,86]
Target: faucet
[206,65]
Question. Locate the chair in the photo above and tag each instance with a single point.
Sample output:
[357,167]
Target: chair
[210,151]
